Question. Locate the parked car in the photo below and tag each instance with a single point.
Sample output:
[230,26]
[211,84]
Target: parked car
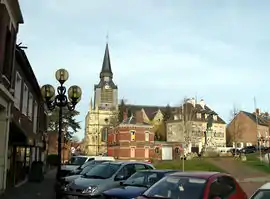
[248,149]
[137,184]
[196,185]
[77,161]
[102,177]
[262,193]
[90,161]
[89,165]
[235,151]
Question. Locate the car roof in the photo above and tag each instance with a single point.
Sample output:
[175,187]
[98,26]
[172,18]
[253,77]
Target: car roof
[198,174]
[82,156]
[265,186]
[159,170]
[126,163]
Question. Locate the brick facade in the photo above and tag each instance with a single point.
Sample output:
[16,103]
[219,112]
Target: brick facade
[131,141]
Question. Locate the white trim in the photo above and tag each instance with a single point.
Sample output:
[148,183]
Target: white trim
[30,106]
[8,95]
[25,97]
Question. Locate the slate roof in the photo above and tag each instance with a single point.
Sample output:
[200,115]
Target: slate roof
[261,121]
[106,70]
[151,111]
[132,120]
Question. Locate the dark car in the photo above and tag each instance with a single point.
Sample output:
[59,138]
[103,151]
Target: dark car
[102,177]
[137,184]
[248,149]
[196,185]
[89,165]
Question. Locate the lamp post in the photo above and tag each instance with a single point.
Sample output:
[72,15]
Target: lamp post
[61,100]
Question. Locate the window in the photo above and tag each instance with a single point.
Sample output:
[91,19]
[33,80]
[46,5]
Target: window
[215,117]
[35,117]
[18,91]
[25,100]
[132,152]
[199,116]
[147,136]
[30,106]
[126,172]
[223,187]
[146,152]
[132,133]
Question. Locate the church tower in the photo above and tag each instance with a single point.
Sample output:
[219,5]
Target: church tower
[103,111]
[106,94]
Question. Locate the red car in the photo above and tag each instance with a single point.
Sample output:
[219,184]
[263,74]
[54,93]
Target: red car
[196,185]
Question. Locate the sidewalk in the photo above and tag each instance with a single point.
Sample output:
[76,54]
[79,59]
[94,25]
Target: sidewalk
[43,190]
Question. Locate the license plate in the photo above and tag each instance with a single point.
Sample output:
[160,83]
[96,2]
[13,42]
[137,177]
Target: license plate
[73,197]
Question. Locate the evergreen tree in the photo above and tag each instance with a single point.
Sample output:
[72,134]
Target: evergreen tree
[122,109]
[69,123]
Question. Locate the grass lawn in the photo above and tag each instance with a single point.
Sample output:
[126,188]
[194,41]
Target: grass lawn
[189,165]
[254,162]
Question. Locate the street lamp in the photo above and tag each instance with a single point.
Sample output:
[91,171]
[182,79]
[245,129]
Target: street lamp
[60,100]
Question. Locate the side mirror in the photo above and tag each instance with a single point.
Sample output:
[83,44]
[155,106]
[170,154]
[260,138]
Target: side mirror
[119,177]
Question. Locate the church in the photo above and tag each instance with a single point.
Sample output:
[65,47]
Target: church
[103,111]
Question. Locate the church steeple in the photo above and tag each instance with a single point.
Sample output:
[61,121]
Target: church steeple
[106,70]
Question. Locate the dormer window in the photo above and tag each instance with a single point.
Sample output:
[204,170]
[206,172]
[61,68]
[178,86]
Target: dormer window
[215,117]
[199,115]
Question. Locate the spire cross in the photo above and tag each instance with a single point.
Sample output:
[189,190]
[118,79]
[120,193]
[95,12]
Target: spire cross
[107,38]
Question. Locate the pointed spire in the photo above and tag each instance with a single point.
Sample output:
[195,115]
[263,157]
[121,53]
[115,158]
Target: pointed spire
[106,70]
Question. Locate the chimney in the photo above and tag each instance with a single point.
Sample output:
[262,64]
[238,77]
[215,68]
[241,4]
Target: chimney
[202,103]
[139,116]
[192,101]
[257,111]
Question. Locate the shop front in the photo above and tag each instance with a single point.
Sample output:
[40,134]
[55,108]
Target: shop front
[23,150]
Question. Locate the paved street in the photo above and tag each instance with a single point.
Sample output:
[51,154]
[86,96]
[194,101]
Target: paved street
[249,179]
[43,190]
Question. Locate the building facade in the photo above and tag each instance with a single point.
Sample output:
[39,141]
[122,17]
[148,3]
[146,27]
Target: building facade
[102,112]
[131,140]
[28,123]
[248,129]
[189,127]
[10,18]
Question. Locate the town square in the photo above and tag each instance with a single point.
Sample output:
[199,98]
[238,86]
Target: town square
[134,99]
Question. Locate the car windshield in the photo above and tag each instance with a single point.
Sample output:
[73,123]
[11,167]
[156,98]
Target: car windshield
[89,162]
[261,194]
[87,169]
[175,187]
[77,160]
[102,171]
[143,179]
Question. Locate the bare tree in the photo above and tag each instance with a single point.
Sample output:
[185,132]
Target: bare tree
[186,113]
[234,133]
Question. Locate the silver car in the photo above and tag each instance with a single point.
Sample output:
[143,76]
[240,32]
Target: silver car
[102,177]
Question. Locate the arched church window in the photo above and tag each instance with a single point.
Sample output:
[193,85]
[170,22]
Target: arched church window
[104,135]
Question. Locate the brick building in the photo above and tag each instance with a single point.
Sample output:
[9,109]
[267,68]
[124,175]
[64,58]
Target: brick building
[132,139]
[10,18]
[246,129]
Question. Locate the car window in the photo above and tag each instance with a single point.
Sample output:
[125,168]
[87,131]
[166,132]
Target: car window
[139,167]
[127,171]
[177,187]
[261,194]
[75,160]
[143,179]
[223,187]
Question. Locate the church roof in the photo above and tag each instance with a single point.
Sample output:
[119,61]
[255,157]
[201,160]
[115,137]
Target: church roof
[106,70]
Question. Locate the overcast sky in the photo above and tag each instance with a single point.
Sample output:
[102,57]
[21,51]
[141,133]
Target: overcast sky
[161,51]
